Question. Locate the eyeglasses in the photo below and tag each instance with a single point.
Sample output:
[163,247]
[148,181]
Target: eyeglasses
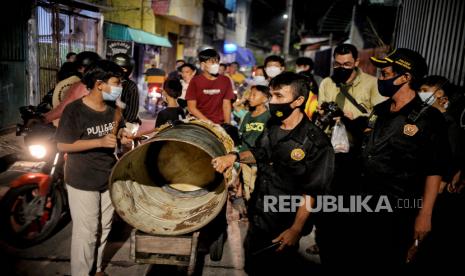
[346,65]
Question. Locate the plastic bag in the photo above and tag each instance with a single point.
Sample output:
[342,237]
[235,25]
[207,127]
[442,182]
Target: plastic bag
[339,138]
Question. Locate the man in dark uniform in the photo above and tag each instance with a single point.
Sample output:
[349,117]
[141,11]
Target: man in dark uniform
[294,158]
[404,159]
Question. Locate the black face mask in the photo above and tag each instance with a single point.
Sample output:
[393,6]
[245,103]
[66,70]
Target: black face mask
[341,74]
[281,112]
[387,88]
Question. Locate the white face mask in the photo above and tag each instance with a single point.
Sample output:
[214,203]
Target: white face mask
[259,80]
[299,69]
[214,69]
[273,71]
[427,97]
[113,95]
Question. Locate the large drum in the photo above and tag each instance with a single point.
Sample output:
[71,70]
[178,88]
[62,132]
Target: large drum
[167,186]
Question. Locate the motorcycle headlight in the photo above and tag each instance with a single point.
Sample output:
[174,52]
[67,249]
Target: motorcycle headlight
[37,151]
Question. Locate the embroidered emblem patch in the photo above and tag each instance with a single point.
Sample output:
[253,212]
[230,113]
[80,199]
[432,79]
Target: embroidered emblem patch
[410,130]
[297,154]
[279,114]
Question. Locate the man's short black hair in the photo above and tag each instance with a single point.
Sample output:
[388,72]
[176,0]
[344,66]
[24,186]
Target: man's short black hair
[304,61]
[70,54]
[207,54]
[274,58]
[265,90]
[191,66]
[180,60]
[440,82]
[173,88]
[298,83]
[235,62]
[223,65]
[67,70]
[344,49]
[101,70]
[261,67]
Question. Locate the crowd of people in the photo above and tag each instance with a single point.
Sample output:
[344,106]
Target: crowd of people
[404,144]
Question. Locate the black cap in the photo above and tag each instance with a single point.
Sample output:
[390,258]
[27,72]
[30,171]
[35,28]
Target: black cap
[407,59]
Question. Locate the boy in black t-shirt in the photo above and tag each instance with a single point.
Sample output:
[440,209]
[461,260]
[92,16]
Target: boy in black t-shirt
[87,134]
[172,89]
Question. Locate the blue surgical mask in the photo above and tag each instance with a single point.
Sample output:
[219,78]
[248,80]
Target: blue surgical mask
[114,94]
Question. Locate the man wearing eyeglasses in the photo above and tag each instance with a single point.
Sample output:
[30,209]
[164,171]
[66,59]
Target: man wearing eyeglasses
[356,94]
[348,79]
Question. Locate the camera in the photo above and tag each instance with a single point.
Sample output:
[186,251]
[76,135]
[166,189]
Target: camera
[328,111]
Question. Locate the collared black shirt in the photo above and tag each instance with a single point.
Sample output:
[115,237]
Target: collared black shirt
[395,163]
[295,163]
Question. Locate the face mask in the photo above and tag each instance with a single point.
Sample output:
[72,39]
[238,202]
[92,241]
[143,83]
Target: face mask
[259,80]
[387,88]
[282,111]
[446,105]
[299,70]
[427,97]
[273,71]
[341,74]
[214,69]
[113,95]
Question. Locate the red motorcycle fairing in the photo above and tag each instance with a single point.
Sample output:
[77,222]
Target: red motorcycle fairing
[42,180]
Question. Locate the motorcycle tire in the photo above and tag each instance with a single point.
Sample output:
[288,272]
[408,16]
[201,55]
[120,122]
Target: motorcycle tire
[11,217]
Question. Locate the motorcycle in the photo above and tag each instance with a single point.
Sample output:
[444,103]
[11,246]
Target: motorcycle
[35,203]
[154,101]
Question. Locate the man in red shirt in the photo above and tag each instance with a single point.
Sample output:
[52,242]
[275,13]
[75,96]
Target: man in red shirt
[209,94]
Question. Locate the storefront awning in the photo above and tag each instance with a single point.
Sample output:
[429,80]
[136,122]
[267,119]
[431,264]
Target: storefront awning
[123,32]
[116,31]
[142,37]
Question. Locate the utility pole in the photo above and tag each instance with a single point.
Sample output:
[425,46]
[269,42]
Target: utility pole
[287,34]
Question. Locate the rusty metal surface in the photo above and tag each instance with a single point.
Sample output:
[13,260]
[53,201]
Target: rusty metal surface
[180,154]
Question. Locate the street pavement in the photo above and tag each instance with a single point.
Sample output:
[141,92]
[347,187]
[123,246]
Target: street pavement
[52,257]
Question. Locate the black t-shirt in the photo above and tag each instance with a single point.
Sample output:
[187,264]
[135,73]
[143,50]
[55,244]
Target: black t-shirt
[87,170]
[169,114]
[399,153]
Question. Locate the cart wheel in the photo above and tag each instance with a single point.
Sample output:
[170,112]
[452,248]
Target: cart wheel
[216,248]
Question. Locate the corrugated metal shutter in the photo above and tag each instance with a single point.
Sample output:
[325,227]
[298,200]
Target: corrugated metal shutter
[13,55]
[61,30]
[436,29]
